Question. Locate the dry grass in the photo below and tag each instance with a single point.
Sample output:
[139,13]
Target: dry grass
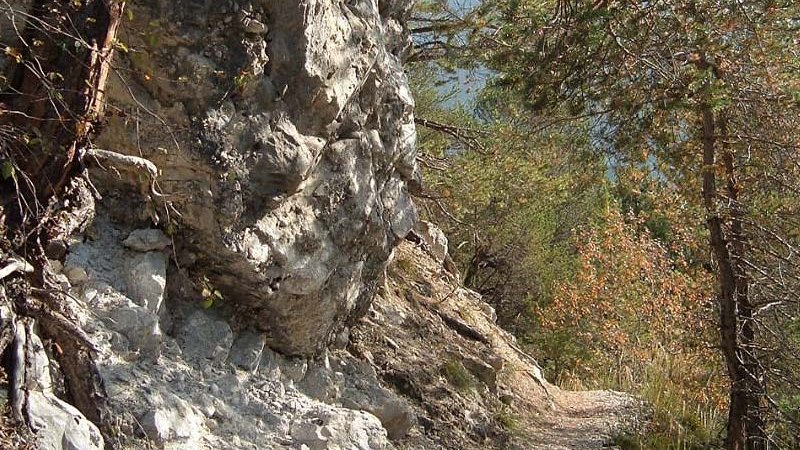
[12,434]
[685,394]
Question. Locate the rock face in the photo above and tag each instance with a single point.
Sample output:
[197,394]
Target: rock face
[179,376]
[340,378]
[285,136]
[433,238]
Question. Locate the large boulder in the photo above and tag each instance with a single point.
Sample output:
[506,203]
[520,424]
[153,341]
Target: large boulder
[287,155]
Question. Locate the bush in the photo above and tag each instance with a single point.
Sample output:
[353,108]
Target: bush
[458,375]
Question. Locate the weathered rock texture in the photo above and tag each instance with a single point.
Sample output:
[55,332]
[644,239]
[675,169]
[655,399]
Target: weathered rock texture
[178,376]
[463,378]
[285,137]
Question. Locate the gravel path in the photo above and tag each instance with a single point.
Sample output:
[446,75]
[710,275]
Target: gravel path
[581,420]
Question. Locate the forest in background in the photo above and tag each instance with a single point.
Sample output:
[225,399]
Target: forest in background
[623,188]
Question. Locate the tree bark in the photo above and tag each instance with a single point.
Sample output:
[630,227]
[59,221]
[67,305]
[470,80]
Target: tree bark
[750,376]
[745,426]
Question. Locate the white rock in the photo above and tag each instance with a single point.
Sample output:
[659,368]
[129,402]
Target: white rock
[140,326]
[60,426]
[434,238]
[339,429]
[147,279]
[146,240]
[175,420]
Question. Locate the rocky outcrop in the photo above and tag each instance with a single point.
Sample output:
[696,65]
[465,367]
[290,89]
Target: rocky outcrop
[177,374]
[284,134]
[427,368]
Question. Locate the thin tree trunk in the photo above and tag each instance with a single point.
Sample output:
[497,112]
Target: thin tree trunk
[736,436]
[750,375]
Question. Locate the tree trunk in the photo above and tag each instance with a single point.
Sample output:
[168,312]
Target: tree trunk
[745,426]
[750,376]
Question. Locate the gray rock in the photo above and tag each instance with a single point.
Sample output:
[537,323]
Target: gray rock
[291,192]
[175,420]
[147,240]
[434,238]
[294,369]
[140,326]
[202,337]
[478,422]
[355,385]
[247,350]
[38,370]
[59,426]
[323,384]
[395,414]
[347,430]
[482,371]
[147,279]
[342,338]
[295,189]
[271,365]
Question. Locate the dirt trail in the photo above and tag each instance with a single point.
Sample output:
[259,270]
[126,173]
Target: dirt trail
[583,420]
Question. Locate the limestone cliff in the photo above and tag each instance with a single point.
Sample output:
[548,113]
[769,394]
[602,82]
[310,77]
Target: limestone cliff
[284,134]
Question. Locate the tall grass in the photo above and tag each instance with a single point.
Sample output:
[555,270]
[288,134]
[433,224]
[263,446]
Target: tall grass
[684,393]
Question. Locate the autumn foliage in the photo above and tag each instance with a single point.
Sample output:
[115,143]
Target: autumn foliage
[629,293]
[635,317]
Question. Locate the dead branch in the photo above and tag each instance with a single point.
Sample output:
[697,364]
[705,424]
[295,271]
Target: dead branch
[468,137]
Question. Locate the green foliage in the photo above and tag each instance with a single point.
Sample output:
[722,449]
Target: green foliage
[508,207]
[241,80]
[594,107]
[209,294]
[458,375]
[507,419]
[7,170]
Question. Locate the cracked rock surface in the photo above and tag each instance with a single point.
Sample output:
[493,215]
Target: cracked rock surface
[284,134]
[179,376]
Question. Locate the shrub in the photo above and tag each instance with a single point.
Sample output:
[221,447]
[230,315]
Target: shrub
[458,375]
